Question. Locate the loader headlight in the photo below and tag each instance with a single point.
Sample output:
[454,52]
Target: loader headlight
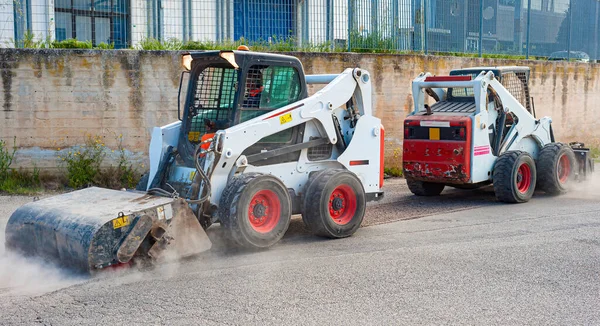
[186,61]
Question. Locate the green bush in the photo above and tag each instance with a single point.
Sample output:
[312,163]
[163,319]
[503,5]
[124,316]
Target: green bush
[104,46]
[124,175]
[16,181]
[6,157]
[83,164]
[21,182]
[149,43]
[72,44]
[595,153]
[394,172]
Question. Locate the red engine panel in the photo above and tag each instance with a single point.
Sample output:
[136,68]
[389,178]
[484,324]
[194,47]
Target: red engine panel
[437,148]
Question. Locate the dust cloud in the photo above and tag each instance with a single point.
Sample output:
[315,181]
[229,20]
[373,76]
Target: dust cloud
[588,188]
[29,276]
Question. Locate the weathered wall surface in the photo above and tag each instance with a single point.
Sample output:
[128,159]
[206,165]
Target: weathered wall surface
[52,98]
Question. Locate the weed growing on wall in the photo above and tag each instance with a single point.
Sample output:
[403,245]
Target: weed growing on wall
[83,164]
[124,175]
[21,182]
[273,44]
[393,171]
[16,181]
[595,153]
[7,155]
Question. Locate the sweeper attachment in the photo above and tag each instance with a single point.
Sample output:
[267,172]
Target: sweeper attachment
[481,128]
[96,228]
[251,149]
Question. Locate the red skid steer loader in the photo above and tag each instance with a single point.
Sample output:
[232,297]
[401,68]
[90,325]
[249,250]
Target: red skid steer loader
[482,129]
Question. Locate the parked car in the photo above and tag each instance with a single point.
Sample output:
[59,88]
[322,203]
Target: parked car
[574,56]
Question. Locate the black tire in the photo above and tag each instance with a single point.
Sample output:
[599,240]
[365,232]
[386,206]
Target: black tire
[556,168]
[143,183]
[244,210]
[514,177]
[422,188]
[334,204]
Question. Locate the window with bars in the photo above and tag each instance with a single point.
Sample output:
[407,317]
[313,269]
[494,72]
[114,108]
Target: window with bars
[214,101]
[515,83]
[268,88]
[98,21]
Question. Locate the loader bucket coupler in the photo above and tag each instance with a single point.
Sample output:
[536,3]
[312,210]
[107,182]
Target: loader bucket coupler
[95,228]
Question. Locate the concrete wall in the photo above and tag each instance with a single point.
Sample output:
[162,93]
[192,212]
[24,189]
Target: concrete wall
[51,98]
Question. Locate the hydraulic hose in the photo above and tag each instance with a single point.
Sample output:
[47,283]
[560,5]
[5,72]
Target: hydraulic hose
[199,150]
[203,176]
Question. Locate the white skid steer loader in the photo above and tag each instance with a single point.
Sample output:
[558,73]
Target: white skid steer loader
[482,129]
[250,149]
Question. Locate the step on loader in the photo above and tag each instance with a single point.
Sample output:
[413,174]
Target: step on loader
[250,149]
[481,128]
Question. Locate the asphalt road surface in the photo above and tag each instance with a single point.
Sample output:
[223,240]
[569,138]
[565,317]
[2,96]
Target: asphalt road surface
[461,258]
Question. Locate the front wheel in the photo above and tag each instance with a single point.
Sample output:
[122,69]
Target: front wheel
[334,205]
[557,167]
[255,209]
[514,177]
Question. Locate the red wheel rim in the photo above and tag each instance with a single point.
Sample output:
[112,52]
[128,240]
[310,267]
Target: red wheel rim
[264,211]
[524,178]
[564,169]
[342,204]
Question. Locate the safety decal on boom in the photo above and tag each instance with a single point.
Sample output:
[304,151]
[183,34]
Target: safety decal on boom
[285,118]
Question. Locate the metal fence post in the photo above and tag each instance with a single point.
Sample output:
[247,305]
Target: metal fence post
[395,24]
[517,37]
[596,27]
[350,23]
[375,20]
[424,11]
[528,27]
[480,47]
[569,30]
[305,36]
[330,24]
[218,22]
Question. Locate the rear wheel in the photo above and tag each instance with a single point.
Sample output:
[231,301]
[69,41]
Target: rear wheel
[255,209]
[334,205]
[556,168]
[514,177]
[423,188]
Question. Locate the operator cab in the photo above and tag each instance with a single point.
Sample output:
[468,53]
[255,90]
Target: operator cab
[514,78]
[460,101]
[227,88]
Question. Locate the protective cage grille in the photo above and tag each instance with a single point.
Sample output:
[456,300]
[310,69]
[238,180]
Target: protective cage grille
[319,153]
[515,83]
[213,100]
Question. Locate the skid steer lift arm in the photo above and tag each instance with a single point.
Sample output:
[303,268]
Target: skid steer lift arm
[527,125]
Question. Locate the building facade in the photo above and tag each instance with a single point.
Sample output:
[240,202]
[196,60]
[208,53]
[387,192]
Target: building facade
[538,27]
